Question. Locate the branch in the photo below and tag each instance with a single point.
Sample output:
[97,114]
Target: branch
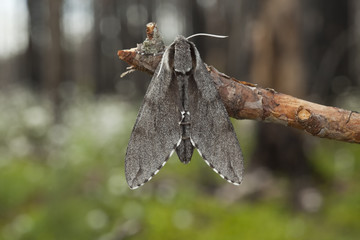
[244,100]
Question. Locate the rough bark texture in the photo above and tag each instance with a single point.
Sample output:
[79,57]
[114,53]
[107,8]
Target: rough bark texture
[244,101]
[247,101]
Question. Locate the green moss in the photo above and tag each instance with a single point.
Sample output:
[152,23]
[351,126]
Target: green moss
[70,184]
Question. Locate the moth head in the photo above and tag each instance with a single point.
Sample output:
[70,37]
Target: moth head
[183,60]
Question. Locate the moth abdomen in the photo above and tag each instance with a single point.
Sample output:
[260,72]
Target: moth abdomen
[185,149]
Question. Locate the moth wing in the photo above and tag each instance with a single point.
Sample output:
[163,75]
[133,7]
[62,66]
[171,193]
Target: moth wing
[157,131]
[211,130]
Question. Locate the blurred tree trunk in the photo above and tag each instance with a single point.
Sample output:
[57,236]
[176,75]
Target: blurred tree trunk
[105,45]
[355,31]
[240,41]
[96,45]
[54,65]
[326,48]
[128,36]
[355,35]
[211,50]
[34,53]
[235,19]
[45,54]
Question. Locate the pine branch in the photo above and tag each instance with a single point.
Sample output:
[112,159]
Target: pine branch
[244,100]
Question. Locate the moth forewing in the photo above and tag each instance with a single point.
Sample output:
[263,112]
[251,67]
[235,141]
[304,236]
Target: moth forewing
[156,132]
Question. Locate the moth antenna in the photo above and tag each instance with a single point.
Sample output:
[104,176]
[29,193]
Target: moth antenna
[206,34]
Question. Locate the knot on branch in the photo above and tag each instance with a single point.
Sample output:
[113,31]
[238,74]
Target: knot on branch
[311,123]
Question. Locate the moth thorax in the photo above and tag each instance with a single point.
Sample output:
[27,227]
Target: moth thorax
[182,57]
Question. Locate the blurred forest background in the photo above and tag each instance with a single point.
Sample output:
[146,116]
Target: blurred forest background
[66,117]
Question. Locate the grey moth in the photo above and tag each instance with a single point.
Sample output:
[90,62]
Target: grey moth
[182,110]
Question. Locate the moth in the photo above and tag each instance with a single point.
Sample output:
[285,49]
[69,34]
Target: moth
[182,110]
